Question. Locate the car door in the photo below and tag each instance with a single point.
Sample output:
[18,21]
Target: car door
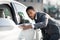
[8,28]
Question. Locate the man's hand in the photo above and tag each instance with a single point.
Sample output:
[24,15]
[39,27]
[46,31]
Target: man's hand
[25,27]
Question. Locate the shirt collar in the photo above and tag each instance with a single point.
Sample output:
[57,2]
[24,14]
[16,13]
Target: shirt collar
[36,16]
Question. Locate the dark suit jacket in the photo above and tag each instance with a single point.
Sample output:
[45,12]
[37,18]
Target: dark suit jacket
[46,23]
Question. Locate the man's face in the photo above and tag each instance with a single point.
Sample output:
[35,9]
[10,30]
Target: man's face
[31,13]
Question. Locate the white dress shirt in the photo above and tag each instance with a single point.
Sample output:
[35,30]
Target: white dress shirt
[33,22]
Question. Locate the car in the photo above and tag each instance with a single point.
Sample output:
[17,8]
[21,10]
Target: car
[14,8]
[8,24]
[14,14]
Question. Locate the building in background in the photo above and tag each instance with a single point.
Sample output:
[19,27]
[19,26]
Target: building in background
[37,4]
[52,8]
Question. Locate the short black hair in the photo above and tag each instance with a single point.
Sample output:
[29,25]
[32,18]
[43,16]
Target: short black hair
[29,7]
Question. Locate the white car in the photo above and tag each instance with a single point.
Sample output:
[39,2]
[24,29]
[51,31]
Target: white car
[8,25]
[9,29]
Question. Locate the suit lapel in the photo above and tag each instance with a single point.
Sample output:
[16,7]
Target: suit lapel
[36,17]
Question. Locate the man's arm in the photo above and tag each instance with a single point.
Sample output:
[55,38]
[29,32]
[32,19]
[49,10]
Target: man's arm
[42,24]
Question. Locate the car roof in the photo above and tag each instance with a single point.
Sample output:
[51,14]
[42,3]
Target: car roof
[4,2]
[10,1]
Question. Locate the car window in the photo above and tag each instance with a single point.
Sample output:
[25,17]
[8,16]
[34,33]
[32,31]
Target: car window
[5,22]
[21,11]
[7,11]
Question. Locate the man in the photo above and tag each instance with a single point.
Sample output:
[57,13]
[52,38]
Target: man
[43,21]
